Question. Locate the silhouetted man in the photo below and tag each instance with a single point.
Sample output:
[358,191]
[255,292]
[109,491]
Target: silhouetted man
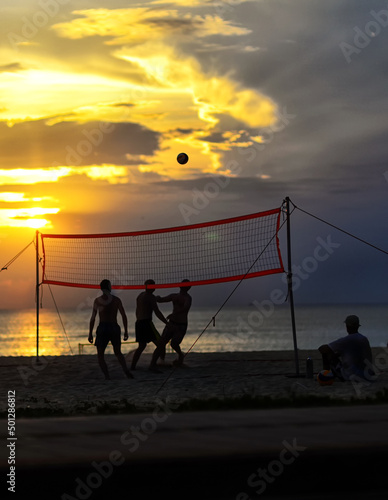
[107,306]
[176,327]
[144,328]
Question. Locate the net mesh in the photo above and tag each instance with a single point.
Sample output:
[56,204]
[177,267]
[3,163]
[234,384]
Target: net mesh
[213,252]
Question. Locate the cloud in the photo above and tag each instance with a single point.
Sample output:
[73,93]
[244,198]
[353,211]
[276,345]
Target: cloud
[25,217]
[11,67]
[139,25]
[183,3]
[72,143]
[212,94]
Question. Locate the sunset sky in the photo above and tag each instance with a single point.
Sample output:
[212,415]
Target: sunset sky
[269,98]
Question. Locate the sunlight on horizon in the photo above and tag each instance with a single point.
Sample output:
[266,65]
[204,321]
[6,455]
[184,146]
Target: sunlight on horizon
[26,217]
[19,176]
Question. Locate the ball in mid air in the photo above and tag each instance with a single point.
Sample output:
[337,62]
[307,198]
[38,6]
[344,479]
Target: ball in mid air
[325,377]
[182,158]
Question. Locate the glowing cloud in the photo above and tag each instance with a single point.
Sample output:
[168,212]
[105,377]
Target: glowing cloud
[211,94]
[12,197]
[46,91]
[19,176]
[25,217]
[20,197]
[160,88]
[112,173]
[139,25]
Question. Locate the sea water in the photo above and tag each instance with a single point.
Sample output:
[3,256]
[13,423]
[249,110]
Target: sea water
[253,328]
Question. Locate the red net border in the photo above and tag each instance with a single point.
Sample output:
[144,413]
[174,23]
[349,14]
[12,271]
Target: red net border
[166,230]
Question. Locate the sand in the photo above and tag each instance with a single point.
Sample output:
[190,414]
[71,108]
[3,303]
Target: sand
[98,439]
[74,385]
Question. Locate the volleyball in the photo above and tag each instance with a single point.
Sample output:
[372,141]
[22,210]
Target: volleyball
[325,377]
[182,158]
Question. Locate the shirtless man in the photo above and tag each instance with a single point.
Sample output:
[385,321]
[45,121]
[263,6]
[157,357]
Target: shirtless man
[176,327]
[107,306]
[144,327]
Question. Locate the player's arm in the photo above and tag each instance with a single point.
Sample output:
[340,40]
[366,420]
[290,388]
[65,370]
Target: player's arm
[125,319]
[92,321]
[157,311]
[331,355]
[325,349]
[338,347]
[167,298]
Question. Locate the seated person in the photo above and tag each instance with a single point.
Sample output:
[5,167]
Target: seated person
[350,356]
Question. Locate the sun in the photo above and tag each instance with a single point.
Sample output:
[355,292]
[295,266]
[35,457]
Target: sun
[36,223]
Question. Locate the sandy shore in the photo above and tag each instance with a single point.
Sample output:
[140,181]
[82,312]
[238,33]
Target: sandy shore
[101,439]
[73,385]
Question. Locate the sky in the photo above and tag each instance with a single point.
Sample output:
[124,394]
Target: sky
[269,98]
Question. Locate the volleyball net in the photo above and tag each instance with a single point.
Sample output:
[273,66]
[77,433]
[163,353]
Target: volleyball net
[212,252]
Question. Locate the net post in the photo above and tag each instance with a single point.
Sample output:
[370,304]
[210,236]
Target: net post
[37,296]
[289,282]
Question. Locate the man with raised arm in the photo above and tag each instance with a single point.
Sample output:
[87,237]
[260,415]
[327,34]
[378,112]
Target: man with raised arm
[144,328]
[176,327]
[107,306]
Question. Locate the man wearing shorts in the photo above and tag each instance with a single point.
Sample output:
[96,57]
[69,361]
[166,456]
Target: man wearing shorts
[108,330]
[144,328]
[176,327]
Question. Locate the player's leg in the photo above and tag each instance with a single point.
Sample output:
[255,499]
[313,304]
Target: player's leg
[116,343]
[137,354]
[101,361]
[155,338]
[161,347]
[175,344]
[121,360]
[177,337]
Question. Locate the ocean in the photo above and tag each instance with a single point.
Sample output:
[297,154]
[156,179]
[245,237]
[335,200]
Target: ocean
[260,327]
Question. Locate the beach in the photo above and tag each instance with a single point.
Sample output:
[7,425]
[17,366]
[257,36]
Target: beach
[73,385]
[204,430]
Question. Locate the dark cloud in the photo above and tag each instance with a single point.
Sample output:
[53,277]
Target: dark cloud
[72,143]
[183,131]
[339,116]
[216,137]
[122,105]
[179,25]
[11,68]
